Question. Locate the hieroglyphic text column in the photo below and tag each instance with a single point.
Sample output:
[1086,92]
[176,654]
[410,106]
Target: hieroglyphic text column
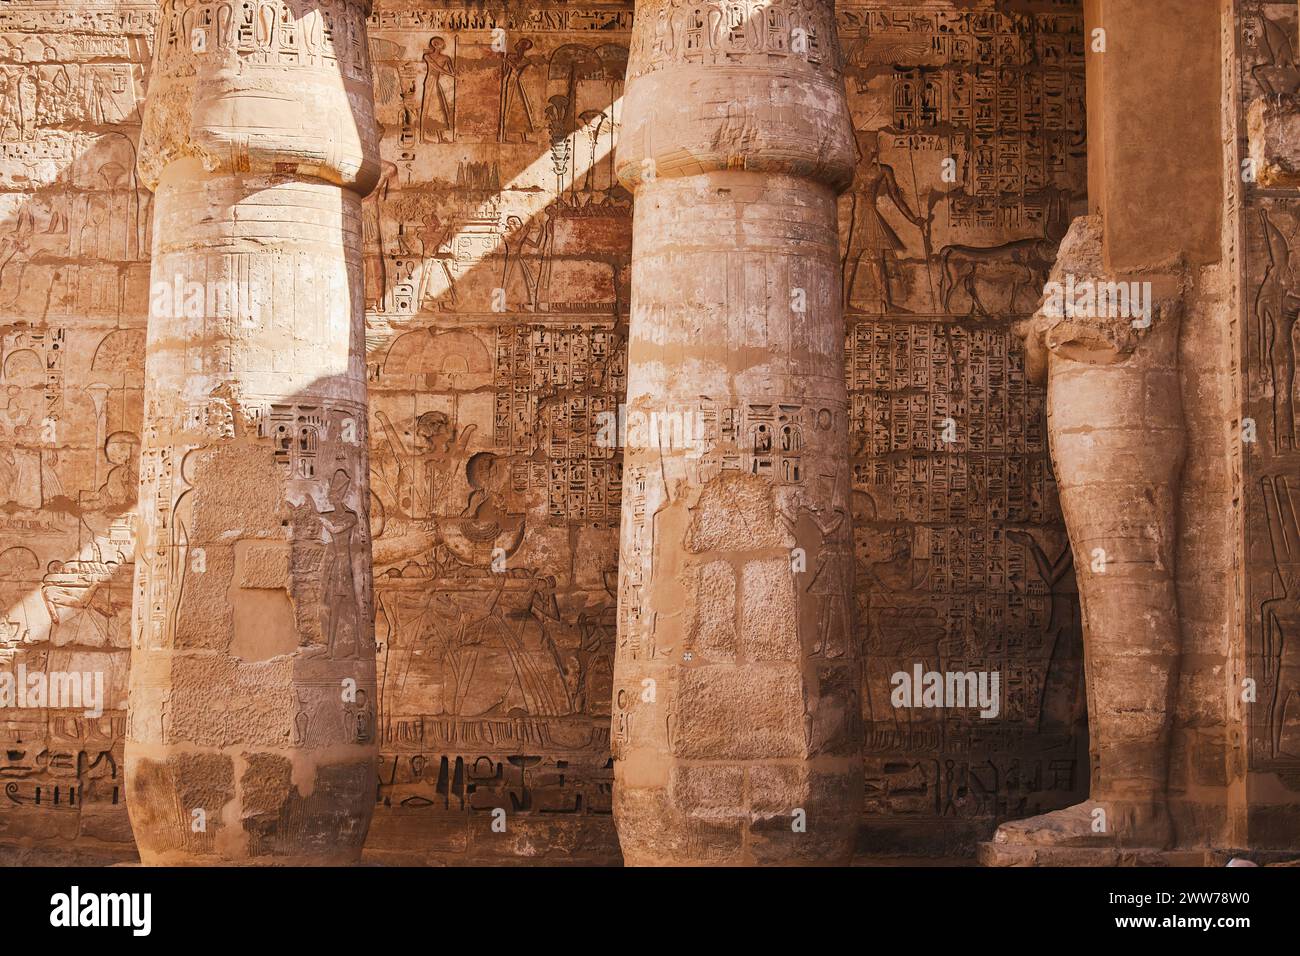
[736,725]
[251,716]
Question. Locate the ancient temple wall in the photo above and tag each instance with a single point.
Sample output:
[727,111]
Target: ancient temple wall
[962,559]
[497,292]
[74,283]
[1265,226]
[498,309]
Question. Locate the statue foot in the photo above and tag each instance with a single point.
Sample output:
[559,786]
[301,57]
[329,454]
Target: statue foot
[1093,823]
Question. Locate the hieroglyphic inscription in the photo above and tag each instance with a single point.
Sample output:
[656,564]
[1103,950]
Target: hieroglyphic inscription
[1270,224]
[74,248]
[498,175]
[497,259]
[970,130]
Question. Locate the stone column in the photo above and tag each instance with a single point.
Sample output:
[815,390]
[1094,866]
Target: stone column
[737,726]
[251,733]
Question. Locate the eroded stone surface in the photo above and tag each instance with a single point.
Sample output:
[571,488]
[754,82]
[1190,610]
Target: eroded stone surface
[1119,447]
[253,651]
[736,334]
[1115,338]
[1273,126]
[482,417]
[496,172]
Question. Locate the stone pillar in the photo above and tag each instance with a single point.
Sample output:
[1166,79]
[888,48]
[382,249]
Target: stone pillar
[737,726]
[251,734]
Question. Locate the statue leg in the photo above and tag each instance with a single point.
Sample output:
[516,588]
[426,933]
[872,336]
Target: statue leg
[1118,446]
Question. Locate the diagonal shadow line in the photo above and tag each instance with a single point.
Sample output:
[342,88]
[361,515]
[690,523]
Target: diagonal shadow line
[84,587]
[45,288]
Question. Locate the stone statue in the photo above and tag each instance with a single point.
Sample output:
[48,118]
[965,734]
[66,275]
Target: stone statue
[1115,420]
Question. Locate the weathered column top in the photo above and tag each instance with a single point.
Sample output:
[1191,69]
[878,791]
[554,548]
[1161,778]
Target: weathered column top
[267,88]
[747,85]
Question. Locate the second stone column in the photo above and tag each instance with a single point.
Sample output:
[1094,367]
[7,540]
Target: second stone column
[737,727]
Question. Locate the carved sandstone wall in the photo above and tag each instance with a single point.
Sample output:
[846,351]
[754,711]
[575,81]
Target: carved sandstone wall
[497,288]
[1264,230]
[74,292]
